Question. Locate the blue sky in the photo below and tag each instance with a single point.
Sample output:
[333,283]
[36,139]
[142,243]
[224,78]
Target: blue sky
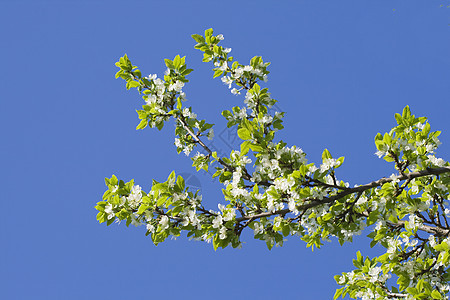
[340,69]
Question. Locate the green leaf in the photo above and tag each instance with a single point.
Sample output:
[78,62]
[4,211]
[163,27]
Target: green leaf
[403,282]
[244,134]
[338,293]
[387,138]
[245,146]
[142,124]
[406,112]
[216,242]
[206,57]
[180,183]
[120,72]
[142,208]
[106,195]
[137,73]
[161,201]
[269,244]
[436,295]
[256,147]
[160,125]
[442,247]
[286,230]
[134,84]
[171,178]
[214,155]
[227,114]
[198,38]
[208,32]
[187,72]
[398,118]
[388,158]
[412,291]
[247,124]
[379,142]
[426,129]
[169,63]
[113,180]
[341,161]
[142,114]
[110,221]
[217,73]
[359,256]
[177,62]
[256,88]
[326,154]
[101,217]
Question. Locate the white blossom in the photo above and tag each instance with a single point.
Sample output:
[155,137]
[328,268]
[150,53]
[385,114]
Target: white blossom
[151,76]
[312,169]
[374,271]
[271,205]
[259,228]
[436,161]
[210,134]
[222,233]
[227,80]
[440,186]
[135,197]
[228,213]
[151,99]
[328,164]
[224,66]
[361,200]
[150,228]
[421,126]
[283,184]
[413,223]
[257,72]
[178,143]
[394,178]
[429,148]
[293,206]
[380,153]
[109,211]
[177,86]
[135,221]
[188,149]
[266,119]
[164,222]
[242,113]
[436,141]
[237,73]
[217,222]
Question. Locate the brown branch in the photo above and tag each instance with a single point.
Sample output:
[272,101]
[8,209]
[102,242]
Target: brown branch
[360,189]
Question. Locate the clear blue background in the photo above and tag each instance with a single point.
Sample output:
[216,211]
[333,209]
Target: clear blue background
[340,69]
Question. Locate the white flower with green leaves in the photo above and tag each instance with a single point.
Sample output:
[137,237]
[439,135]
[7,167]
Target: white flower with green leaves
[279,195]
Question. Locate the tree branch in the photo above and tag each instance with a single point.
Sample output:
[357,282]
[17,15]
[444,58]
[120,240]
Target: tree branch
[360,189]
